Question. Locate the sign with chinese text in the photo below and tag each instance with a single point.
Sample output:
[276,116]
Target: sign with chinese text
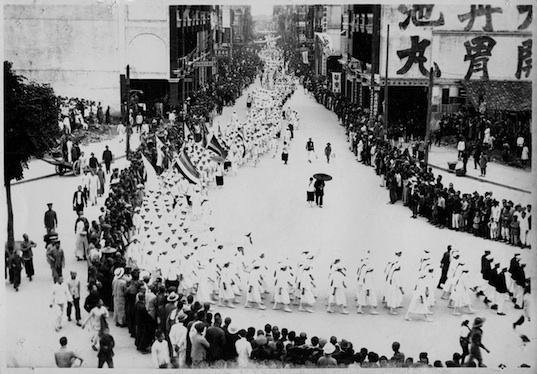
[336,82]
[459,41]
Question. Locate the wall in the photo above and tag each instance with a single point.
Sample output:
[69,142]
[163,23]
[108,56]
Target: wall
[81,49]
[74,48]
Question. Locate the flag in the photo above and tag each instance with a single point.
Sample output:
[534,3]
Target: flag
[214,145]
[186,168]
[151,182]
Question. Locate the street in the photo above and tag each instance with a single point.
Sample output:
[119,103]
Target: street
[270,201]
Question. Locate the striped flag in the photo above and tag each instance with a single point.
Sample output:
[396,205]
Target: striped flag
[214,145]
[186,168]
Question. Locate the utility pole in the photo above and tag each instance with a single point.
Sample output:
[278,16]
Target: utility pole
[429,114]
[386,83]
[128,133]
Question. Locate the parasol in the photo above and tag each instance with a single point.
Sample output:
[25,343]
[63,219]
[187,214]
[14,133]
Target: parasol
[322,176]
[108,250]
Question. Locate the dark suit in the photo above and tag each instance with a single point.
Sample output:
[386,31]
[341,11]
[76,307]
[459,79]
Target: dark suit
[319,191]
[79,201]
[217,339]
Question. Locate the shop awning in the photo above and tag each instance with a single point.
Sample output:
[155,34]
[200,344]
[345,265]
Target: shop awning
[499,95]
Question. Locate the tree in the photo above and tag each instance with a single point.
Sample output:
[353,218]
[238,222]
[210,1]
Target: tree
[30,129]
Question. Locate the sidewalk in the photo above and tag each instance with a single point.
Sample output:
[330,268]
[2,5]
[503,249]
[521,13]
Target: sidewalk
[505,182]
[38,169]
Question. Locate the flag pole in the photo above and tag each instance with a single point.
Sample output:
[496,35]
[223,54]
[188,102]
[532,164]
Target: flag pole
[386,83]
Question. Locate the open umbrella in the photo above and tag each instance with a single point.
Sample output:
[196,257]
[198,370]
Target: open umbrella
[322,176]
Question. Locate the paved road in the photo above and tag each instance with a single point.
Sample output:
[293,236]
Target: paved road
[270,201]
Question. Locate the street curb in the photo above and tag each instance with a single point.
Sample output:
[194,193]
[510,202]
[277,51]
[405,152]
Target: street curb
[484,180]
[46,176]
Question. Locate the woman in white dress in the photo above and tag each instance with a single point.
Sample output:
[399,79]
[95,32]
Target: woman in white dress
[460,297]
[254,288]
[394,296]
[281,289]
[418,303]
[367,296]
[337,291]
[226,294]
[306,286]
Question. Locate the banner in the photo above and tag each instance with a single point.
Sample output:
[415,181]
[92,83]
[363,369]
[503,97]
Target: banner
[183,164]
[152,182]
[336,82]
[305,57]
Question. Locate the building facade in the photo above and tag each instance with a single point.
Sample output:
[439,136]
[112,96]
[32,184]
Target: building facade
[102,51]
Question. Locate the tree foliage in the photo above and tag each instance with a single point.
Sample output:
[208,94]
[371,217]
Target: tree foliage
[30,122]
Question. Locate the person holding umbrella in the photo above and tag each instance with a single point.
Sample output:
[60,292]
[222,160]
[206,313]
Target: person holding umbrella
[319,187]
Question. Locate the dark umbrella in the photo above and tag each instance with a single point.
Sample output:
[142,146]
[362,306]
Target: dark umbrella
[322,176]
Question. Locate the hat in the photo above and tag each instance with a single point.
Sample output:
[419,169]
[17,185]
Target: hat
[173,297]
[49,204]
[119,272]
[479,321]
[329,348]
[199,327]
[233,329]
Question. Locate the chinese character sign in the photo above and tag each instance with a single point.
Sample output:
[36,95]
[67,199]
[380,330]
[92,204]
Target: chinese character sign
[465,41]
[336,82]
[478,52]
[414,55]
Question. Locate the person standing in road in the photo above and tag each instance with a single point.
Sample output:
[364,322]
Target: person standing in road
[74,289]
[51,220]
[28,255]
[476,336]
[483,160]
[97,319]
[444,265]
[107,158]
[285,152]
[56,259]
[310,147]
[93,162]
[60,297]
[159,351]
[328,152]
[79,200]
[81,232]
[310,192]
[106,348]
[66,358]
[15,264]
[319,192]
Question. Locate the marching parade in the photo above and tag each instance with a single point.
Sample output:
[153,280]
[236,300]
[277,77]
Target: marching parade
[189,252]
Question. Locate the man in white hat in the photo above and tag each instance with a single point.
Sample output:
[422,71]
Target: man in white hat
[326,360]
[178,334]
[119,292]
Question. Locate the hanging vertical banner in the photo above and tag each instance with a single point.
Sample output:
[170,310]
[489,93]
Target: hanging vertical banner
[305,57]
[336,82]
